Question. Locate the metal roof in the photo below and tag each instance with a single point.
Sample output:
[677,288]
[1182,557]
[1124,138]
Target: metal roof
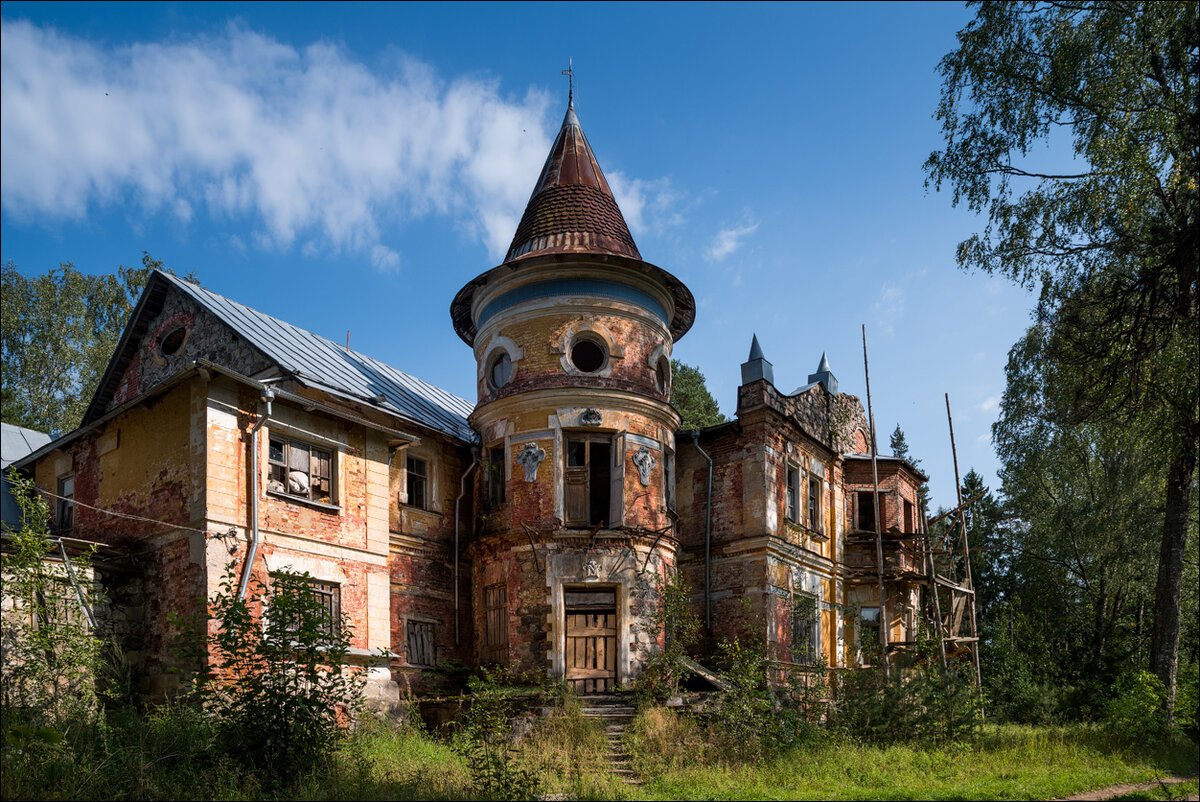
[322,363]
[17,442]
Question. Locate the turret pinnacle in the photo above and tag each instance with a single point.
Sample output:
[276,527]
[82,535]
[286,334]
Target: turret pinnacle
[572,209]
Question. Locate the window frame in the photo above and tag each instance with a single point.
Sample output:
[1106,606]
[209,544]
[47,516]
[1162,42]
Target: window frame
[289,444]
[422,480]
[791,499]
[497,481]
[64,507]
[813,508]
[572,474]
[811,624]
[328,593]
[863,626]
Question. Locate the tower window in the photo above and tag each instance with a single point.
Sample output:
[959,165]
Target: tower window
[499,370]
[587,355]
[587,481]
[662,375]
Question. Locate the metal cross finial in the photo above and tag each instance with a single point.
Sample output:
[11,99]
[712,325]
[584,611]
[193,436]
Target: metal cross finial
[570,73]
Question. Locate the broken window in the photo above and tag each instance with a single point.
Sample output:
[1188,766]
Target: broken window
[908,516]
[793,493]
[669,479]
[587,480]
[422,645]
[301,470]
[64,512]
[495,623]
[866,511]
[418,482]
[495,476]
[868,633]
[806,623]
[814,504]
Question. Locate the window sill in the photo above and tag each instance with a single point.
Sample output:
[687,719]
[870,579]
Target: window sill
[318,505]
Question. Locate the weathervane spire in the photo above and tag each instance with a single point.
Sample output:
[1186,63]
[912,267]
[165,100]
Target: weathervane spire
[570,73]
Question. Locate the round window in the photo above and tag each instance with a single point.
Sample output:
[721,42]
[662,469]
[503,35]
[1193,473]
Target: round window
[172,341]
[662,375]
[499,370]
[587,355]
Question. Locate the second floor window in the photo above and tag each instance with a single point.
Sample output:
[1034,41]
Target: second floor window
[64,512]
[793,494]
[495,468]
[301,470]
[586,483]
[814,504]
[418,482]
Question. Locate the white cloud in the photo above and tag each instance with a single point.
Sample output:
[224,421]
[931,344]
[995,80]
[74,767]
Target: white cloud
[989,403]
[315,148]
[729,239]
[648,205]
[888,307]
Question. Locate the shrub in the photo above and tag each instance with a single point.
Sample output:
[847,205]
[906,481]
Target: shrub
[1136,708]
[482,737]
[278,685]
[672,619]
[52,655]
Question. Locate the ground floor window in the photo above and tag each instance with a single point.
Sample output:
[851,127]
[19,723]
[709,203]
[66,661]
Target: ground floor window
[495,623]
[806,628]
[422,645]
[868,634]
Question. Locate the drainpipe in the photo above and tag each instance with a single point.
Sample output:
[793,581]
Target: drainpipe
[457,501]
[268,395]
[707,536]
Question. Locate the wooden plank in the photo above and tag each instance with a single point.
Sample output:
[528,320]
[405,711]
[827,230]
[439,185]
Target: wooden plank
[708,674]
[591,632]
[587,673]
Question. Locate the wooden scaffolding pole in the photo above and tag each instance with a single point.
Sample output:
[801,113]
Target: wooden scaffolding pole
[883,617]
[931,566]
[966,547]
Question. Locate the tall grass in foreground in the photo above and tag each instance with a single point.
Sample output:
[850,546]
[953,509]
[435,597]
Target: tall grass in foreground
[1005,762]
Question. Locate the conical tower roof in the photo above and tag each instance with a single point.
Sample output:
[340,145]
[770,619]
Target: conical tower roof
[572,209]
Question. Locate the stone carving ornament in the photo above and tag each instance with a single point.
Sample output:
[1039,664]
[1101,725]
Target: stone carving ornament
[529,458]
[591,417]
[644,461]
[592,569]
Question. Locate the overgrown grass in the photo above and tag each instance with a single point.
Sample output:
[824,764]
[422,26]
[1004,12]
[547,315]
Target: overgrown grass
[1163,793]
[1005,762]
[172,754]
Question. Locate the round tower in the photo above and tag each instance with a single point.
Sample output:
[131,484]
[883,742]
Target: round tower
[572,337]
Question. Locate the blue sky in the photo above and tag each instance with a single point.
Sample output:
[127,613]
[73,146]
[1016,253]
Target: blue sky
[349,167]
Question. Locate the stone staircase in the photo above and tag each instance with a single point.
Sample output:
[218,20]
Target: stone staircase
[615,712]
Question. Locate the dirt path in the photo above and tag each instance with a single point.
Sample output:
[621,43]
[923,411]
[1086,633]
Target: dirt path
[1113,791]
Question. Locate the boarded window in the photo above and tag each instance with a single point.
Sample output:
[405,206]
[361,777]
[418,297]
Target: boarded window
[586,481]
[793,494]
[418,483]
[300,470]
[422,646]
[806,622]
[866,511]
[64,513]
[495,623]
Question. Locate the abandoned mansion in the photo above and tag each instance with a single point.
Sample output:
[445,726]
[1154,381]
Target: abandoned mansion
[526,528]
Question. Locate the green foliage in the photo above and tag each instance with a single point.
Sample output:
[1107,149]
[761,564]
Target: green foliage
[671,618]
[1136,709]
[52,656]
[691,397]
[57,334]
[278,685]
[482,737]
[1105,227]
[919,702]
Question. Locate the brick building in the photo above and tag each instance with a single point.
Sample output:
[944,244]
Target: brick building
[526,528]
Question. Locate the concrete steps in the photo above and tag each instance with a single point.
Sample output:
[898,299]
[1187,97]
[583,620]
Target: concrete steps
[616,713]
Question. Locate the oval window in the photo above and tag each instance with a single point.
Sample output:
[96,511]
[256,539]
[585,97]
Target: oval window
[172,341]
[587,355]
[499,370]
[662,375]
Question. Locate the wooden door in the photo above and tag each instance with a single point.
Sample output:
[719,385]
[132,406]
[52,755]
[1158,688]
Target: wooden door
[591,641]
